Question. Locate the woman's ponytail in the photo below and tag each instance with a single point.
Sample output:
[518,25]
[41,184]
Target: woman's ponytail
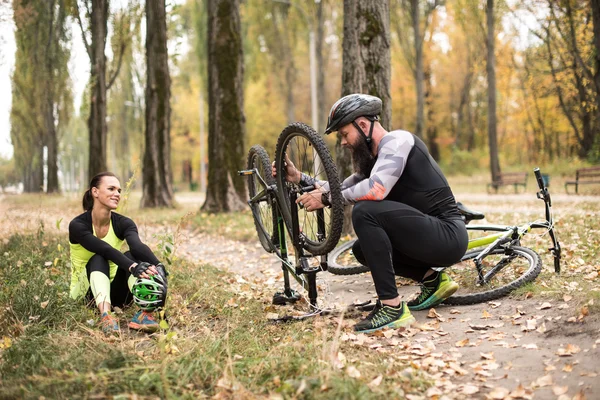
[88,199]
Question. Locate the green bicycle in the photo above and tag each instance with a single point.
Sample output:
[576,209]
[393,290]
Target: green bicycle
[494,264]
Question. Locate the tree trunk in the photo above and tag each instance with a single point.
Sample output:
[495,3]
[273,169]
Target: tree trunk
[226,126]
[491,78]
[596,28]
[321,98]
[366,66]
[97,118]
[419,72]
[432,144]
[157,175]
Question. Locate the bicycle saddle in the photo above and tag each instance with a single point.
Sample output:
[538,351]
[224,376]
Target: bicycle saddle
[468,215]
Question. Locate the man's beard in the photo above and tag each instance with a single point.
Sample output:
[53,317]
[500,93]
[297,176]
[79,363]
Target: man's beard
[362,159]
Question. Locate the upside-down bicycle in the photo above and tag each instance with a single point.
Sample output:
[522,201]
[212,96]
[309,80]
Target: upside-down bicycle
[494,264]
[275,212]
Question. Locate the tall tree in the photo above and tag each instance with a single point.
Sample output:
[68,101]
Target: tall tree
[96,16]
[41,91]
[491,78]
[157,176]
[226,126]
[366,63]
[411,27]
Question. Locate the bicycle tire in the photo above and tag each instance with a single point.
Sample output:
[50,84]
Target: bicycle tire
[302,134]
[534,267]
[338,268]
[264,218]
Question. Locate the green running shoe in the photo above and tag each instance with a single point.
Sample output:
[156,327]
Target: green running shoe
[385,316]
[433,292]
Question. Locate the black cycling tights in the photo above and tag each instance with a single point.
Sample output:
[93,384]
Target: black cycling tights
[396,239]
[120,294]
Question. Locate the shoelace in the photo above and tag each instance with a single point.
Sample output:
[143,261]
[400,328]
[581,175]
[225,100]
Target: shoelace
[425,292]
[383,317]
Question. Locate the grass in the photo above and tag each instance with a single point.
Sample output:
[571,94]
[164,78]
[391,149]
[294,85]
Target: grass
[218,342]
[52,346]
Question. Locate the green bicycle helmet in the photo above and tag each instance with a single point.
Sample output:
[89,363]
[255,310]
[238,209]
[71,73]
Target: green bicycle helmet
[150,293]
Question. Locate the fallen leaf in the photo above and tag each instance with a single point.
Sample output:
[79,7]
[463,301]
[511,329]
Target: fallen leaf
[545,380]
[462,343]
[567,298]
[433,314]
[499,393]
[352,372]
[485,315]
[585,311]
[375,382]
[568,368]
[545,306]
[469,389]
[44,304]
[531,346]
[558,390]
[487,356]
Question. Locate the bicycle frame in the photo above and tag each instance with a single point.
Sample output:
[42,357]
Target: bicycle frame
[302,272]
[511,235]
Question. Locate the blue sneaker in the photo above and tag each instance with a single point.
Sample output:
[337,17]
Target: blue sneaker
[143,321]
[110,324]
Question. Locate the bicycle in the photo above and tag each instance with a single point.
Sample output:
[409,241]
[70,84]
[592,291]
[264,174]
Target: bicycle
[275,212]
[493,265]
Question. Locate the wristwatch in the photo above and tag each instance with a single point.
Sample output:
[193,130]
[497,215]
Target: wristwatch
[325,199]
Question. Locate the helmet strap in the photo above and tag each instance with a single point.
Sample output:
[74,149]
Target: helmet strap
[368,139]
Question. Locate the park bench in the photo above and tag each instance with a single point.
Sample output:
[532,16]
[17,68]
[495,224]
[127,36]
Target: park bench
[584,176]
[515,179]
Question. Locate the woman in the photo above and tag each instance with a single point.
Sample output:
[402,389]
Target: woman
[99,271]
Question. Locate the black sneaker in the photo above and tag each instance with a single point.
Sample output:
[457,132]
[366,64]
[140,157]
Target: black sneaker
[433,292]
[385,316]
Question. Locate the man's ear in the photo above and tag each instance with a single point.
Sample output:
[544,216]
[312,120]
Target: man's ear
[364,124]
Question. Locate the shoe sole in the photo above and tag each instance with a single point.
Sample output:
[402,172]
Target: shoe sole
[144,328]
[439,296]
[399,323]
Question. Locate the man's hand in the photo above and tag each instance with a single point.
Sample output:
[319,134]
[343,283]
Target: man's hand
[311,201]
[291,173]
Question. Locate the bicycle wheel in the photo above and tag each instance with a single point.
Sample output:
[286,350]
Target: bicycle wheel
[262,207]
[341,261]
[517,266]
[309,153]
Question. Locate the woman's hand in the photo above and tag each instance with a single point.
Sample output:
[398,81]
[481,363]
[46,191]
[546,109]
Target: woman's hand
[291,173]
[143,270]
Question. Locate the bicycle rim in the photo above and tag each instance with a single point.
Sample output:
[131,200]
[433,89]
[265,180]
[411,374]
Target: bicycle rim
[309,153]
[262,210]
[341,261]
[522,265]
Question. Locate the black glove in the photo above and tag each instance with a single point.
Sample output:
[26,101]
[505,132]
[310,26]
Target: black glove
[162,269]
[140,269]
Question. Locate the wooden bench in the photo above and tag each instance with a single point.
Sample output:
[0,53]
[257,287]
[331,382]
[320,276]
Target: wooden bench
[515,179]
[584,176]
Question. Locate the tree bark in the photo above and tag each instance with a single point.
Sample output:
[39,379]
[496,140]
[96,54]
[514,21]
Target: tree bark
[226,126]
[321,100]
[419,72]
[157,174]
[366,66]
[97,117]
[491,78]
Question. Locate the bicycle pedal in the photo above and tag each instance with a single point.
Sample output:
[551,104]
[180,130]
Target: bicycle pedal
[281,299]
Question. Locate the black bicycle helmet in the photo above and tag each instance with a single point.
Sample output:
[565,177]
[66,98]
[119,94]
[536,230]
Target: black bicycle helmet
[350,107]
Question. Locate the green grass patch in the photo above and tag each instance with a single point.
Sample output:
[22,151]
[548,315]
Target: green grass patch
[218,341]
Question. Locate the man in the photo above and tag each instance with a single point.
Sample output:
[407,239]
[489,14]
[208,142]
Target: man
[405,215]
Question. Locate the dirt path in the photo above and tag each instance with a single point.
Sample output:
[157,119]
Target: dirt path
[503,349]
